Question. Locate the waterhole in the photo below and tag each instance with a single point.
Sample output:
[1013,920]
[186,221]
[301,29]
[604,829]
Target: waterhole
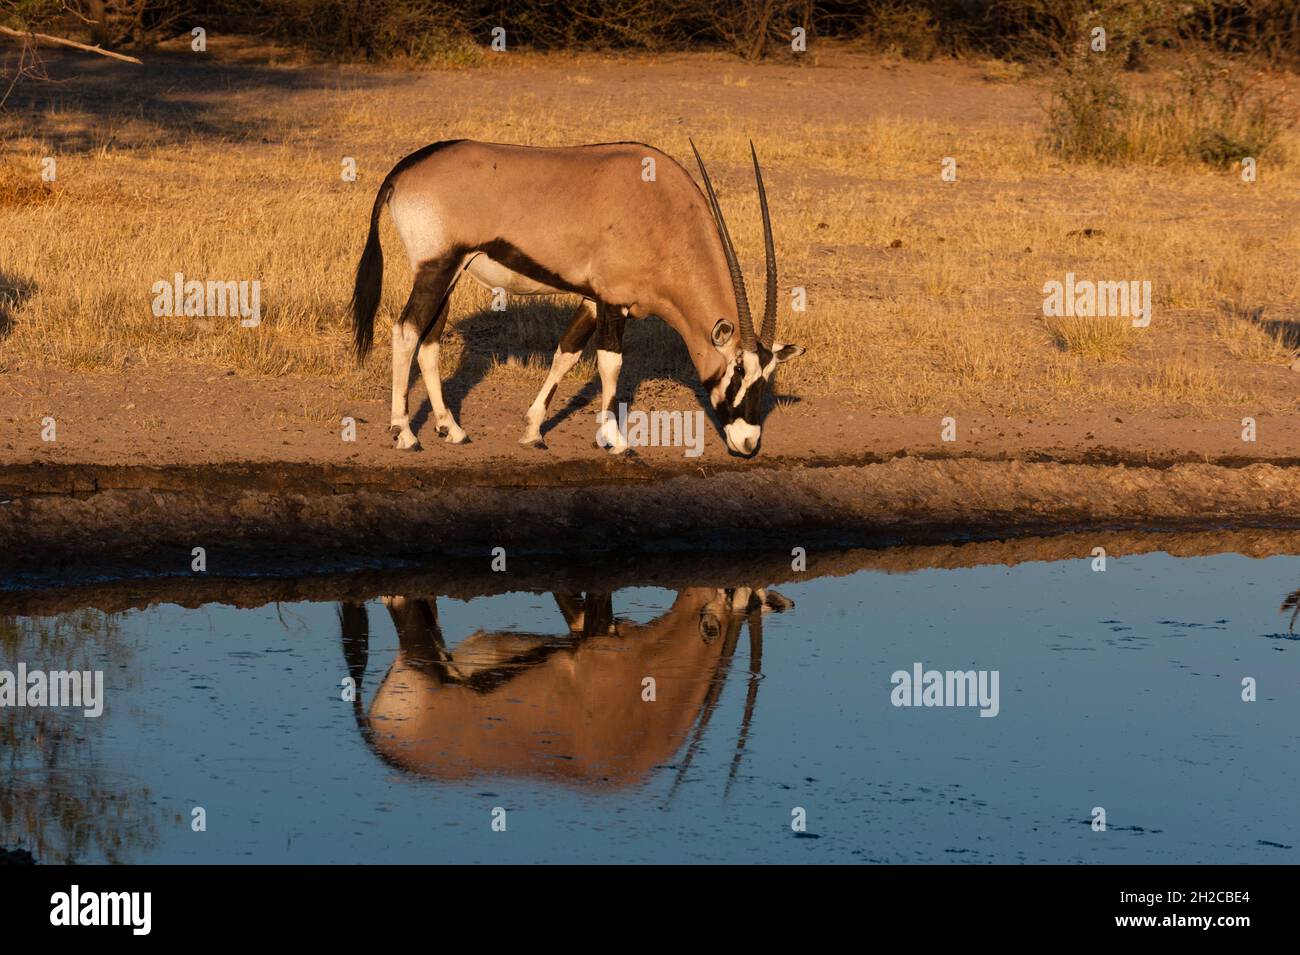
[959,704]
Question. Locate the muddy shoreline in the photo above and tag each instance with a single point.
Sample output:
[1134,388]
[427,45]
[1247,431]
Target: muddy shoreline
[70,522]
[465,579]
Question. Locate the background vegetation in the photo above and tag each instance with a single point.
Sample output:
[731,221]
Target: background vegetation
[917,29]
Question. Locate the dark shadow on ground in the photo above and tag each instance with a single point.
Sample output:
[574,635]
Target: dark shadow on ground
[530,332]
[173,97]
[1285,331]
[13,292]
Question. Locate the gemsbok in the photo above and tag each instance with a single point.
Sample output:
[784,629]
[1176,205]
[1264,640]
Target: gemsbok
[568,707]
[582,220]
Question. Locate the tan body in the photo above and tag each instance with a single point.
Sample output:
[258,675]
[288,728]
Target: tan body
[622,225]
[583,214]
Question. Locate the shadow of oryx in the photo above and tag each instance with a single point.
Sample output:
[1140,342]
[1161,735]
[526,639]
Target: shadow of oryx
[14,291]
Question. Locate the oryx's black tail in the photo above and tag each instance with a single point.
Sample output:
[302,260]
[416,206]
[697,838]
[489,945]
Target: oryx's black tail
[370,280]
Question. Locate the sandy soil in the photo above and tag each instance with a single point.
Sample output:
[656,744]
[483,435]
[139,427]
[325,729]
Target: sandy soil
[188,417]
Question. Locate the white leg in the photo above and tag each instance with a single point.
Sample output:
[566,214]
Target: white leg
[405,338]
[609,363]
[446,424]
[560,365]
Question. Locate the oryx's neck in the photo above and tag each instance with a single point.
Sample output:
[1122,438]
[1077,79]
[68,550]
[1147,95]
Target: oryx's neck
[694,304]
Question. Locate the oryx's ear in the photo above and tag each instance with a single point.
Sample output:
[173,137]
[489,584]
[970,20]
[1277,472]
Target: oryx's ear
[788,352]
[777,603]
[722,332]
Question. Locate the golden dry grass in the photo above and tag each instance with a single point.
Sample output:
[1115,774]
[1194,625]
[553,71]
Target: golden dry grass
[923,295]
[1099,337]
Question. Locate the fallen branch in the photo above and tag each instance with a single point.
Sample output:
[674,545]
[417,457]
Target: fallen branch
[60,41]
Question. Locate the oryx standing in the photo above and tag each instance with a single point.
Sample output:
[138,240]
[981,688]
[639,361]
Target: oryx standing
[583,219]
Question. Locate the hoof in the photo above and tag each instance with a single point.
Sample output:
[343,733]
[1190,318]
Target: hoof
[452,433]
[528,442]
[395,432]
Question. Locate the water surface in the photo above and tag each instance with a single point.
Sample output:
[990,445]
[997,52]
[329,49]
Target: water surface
[1120,690]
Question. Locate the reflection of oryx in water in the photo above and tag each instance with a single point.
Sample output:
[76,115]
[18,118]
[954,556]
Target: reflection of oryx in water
[1291,602]
[567,707]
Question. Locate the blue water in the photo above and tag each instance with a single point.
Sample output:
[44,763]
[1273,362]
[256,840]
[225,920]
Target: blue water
[1120,690]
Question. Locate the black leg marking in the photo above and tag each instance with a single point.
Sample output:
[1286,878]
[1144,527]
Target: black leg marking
[575,337]
[427,310]
[430,299]
[612,323]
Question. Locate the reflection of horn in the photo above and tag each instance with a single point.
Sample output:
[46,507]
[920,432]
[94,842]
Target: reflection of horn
[420,635]
[354,627]
[354,623]
[733,263]
[1292,602]
[751,694]
[711,697]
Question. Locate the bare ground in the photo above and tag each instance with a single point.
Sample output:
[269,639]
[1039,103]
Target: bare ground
[188,417]
[160,449]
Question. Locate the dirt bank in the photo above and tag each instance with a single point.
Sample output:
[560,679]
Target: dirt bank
[167,417]
[465,579]
[118,521]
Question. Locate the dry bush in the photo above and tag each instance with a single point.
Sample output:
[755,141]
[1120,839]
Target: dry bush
[443,31]
[1100,338]
[134,23]
[1210,111]
[430,31]
[904,29]
[755,28]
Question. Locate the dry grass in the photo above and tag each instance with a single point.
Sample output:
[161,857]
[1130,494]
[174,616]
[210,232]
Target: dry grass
[1249,339]
[1098,337]
[1204,110]
[1191,380]
[924,295]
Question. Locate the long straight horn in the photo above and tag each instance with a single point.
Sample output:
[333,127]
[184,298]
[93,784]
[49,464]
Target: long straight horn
[767,334]
[747,338]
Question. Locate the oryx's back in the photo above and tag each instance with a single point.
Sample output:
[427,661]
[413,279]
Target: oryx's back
[586,219]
